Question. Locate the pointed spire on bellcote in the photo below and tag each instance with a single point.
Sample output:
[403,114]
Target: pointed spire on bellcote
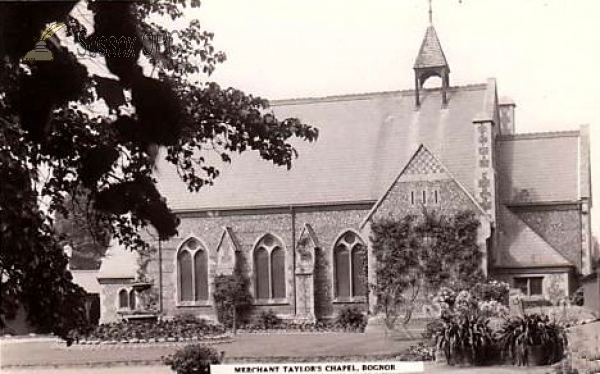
[431,62]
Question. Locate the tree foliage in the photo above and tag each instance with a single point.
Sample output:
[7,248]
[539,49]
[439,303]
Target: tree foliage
[52,144]
[418,254]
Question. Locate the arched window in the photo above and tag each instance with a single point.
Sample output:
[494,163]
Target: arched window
[269,268]
[349,266]
[123,299]
[132,299]
[192,270]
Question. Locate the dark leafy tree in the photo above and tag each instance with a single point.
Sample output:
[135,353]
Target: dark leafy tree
[53,146]
[233,301]
[416,255]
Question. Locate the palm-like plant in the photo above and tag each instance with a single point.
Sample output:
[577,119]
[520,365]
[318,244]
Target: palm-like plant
[519,336]
[464,337]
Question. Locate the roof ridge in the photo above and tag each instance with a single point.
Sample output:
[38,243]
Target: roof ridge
[367,95]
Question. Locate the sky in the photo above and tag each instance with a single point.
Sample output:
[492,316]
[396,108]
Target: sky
[544,54]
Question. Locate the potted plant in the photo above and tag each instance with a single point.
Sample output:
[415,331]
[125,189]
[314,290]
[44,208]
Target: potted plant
[532,339]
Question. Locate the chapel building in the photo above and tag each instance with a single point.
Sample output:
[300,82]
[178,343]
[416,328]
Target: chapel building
[298,233]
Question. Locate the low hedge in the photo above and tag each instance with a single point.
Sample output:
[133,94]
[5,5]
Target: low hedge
[170,330]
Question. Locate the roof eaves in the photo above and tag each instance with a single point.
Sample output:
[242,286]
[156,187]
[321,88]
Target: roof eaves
[519,204]
[539,135]
[536,266]
[274,206]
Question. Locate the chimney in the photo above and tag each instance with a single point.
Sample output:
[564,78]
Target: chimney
[507,115]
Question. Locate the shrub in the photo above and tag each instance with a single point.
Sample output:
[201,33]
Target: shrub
[269,320]
[187,318]
[194,359]
[231,292]
[492,290]
[577,298]
[351,318]
[432,328]
[419,352]
[524,337]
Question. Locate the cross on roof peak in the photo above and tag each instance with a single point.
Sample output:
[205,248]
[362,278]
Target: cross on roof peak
[430,13]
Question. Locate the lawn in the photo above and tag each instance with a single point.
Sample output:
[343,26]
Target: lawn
[245,347]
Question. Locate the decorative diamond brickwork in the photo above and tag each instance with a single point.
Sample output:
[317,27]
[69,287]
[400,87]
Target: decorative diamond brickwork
[484,183]
[424,163]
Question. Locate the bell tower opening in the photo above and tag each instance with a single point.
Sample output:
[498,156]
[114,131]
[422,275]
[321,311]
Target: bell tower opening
[431,62]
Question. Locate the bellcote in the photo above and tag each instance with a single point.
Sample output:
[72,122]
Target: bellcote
[431,62]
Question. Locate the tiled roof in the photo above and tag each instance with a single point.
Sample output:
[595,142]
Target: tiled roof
[364,142]
[520,247]
[87,279]
[538,167]
[118,263]
[431,53]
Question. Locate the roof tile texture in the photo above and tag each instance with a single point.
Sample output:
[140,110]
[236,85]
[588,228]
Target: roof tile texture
[364,142]
[519,246]
[431,53]
[537,168]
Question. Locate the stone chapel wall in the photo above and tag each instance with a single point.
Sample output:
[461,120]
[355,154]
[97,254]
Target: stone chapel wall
[248,227]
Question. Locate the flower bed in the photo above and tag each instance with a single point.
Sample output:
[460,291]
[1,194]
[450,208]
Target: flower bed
[292,327]
[180,329]
[348,320]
